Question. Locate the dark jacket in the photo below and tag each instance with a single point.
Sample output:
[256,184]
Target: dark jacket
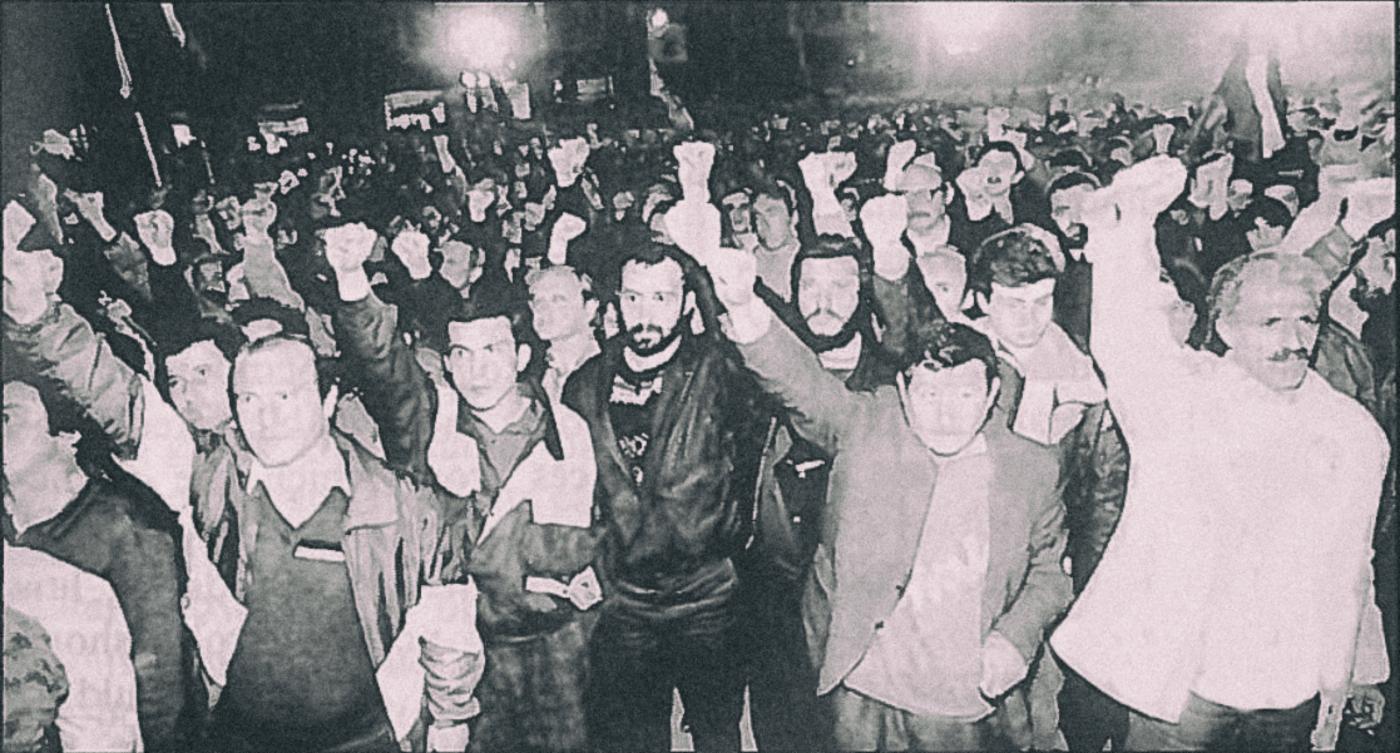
[119,531]
[693,508]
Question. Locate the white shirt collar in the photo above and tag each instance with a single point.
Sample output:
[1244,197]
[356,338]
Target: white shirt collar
[319,471]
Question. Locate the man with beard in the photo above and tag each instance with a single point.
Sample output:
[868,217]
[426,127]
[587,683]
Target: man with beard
[1073,292]
[670,416]
[831,315]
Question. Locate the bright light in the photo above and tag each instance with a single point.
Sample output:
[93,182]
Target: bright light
[962,27]
[474,35]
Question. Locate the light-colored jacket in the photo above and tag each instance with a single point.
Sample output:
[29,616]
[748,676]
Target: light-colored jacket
[1207,441]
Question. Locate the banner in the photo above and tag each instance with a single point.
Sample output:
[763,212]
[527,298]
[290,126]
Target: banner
[423,110]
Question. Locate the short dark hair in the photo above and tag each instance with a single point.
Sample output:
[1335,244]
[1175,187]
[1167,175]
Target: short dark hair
[941,344]
[1268,209]
[1012,258]
[488,302]
[830,247]
[650,253]
[256,309]
[773,190]
[1071,158]
[1071,180]
[176,334]
[1000,146]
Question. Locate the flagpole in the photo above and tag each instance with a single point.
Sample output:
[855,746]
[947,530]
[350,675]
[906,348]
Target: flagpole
[125,91]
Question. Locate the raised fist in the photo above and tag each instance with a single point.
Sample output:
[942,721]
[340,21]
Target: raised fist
[258,216]
[840,167]
[568,160]
[90,206]
[694,226]
[899,157]
[734,272]
[694,159]
[972,182]
[566,228]
[31,283]
[884,218]
[411,248]
[156,230]
[1162,136]
[1147,188]
[349,246]
[1368,202]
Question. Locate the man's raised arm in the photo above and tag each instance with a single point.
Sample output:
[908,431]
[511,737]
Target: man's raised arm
[1131,339]
[64,350]
[396,390]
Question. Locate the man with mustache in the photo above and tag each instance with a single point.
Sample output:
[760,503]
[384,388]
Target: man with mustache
[830,313]
[1233,608]
[672,426]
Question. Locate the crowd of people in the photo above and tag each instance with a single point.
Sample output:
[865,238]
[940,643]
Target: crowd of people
[918,426]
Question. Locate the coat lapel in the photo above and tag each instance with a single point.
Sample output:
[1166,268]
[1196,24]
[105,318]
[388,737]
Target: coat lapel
[608,368]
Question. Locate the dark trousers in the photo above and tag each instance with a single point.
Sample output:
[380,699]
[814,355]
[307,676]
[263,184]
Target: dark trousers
[783,703]
[1088,717]
[648,643]
[532,694]
[1205,725]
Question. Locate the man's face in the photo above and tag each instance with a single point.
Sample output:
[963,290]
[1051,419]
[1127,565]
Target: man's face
[622,201]
[925,208]
[772,222]
[947,407]
[30,450]
[1264,236]
[558,306]
[209,278]
[1001,171]
[198,381]
[652,299]
[130,265]
[432,220]
[1377,267]
[201,203]
[739,209]
[1019,315]
[1065,207]
[264,190]
[228,211]
[459,264]
[278,404]
[945,276]
[1271,332]
[828,292]
[483,360]
[534,214]
[479,199]
[1238,194]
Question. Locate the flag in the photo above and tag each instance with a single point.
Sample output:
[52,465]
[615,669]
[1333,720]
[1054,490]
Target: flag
[1249,104]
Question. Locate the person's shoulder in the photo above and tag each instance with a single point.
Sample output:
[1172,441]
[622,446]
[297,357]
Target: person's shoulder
[1348,417]
[1021,456]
